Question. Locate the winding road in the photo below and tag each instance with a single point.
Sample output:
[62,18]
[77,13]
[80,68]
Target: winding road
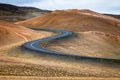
[38,46]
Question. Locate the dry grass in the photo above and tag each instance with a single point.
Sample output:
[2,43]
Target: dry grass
[12,69]
[28,63]
[57,69]
[54,78]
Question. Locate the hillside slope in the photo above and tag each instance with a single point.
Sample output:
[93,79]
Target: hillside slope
[11,34]
[115,16]
[16,13]
[75,20]
[90,43]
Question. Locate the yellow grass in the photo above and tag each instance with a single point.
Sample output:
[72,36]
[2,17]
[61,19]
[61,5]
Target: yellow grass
[53,78]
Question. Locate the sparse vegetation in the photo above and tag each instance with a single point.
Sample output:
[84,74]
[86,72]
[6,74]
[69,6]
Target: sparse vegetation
[15,13]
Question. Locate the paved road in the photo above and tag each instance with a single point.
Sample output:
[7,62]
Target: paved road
[35,46]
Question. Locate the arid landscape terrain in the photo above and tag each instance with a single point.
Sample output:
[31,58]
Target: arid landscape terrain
[96,36]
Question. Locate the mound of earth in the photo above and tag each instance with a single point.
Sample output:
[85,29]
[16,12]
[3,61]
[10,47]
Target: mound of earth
[11,34]
[91,43]
[75,20]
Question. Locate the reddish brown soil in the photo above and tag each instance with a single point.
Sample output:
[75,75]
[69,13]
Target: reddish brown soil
[75,20]
[12,34]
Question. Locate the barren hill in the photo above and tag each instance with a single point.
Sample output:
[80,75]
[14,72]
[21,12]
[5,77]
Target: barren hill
[11,34]
[75,20]
[98,36]
[90,43]
[115,16]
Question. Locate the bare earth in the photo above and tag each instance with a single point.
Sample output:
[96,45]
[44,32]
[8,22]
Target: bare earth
[92,43]
[97,36]
[75,20]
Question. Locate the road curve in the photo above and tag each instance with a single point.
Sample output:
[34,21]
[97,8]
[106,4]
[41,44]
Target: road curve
[36,46]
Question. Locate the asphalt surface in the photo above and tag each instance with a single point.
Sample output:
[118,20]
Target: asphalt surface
[37,45]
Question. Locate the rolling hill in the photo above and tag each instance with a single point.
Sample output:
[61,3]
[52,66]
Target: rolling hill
[97,36]
[113,15]
[75,20]
[90,43]
[11,34]
[16,13]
